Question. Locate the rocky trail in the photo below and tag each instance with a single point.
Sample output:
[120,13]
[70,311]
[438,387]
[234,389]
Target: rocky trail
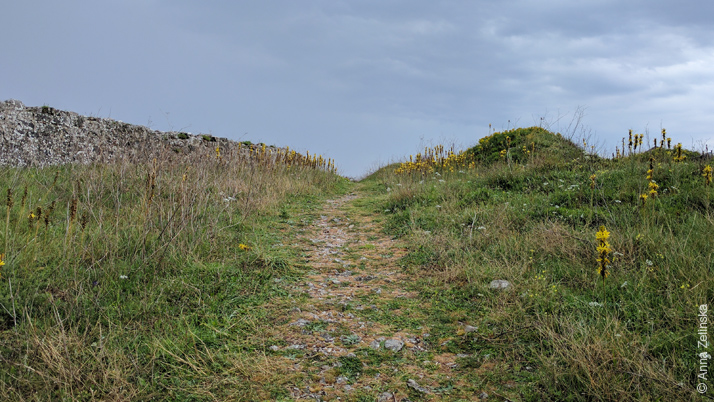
[355,332]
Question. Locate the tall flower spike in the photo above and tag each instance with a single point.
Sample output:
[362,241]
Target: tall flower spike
[603,251]
[707,173]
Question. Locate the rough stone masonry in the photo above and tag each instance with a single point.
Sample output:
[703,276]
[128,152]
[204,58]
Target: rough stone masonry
[40,136]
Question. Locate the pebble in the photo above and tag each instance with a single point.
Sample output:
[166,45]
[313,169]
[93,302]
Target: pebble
[395,345]
[413,385]
[499,284]
[385,397]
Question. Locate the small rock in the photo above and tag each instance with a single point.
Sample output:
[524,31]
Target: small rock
[296,346]
[385,397]
[499,284]
[274,348]
[366,278]
[341,380]
[375,345]
[483,395]
[395,345]
[469,328]
[413,385]
[300,323]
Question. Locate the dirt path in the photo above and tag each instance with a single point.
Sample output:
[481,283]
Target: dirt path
[355,332]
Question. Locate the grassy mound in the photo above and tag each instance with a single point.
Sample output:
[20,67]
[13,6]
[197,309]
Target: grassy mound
[520,144]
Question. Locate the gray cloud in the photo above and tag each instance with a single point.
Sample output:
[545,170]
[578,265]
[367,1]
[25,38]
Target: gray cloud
[366,80]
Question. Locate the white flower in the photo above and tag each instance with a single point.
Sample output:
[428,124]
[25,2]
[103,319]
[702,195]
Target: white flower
[123,277]
[595,304]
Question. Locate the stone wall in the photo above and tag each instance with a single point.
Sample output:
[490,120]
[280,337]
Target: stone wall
[40,136]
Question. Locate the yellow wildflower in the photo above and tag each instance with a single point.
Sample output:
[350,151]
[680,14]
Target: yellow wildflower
[707,174]
[243,247]
[603,234]
[603,250]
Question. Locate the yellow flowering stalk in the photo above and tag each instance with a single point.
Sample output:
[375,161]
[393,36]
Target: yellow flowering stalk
[643,197]
[2,262]
[603,251]
[629,144]
[653,189]
[707,174]
[678,156]
[653,186]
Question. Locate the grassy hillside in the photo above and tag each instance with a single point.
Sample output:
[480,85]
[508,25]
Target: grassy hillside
[228,276]
[124,281]
[605,283]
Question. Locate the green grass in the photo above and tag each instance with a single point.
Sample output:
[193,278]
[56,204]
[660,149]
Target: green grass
[532,220]
[144,291]
[131,283]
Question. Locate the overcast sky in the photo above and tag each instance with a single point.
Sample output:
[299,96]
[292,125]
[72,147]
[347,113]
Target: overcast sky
[368,81]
